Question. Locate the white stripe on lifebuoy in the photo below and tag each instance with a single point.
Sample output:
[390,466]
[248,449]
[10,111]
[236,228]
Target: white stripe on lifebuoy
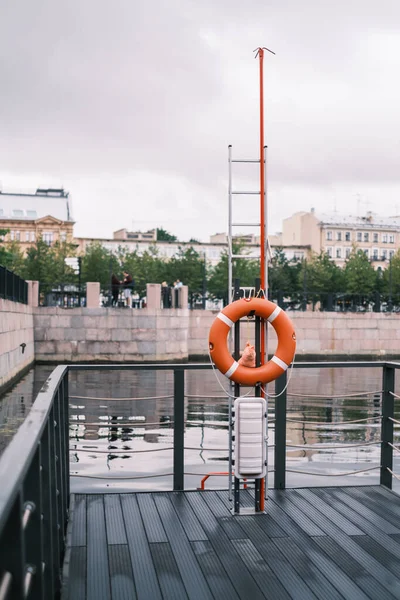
[225,319]
[232,369]
[273,315]
[279,362]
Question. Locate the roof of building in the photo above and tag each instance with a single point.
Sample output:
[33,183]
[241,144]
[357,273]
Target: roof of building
[44,202]
[371,220]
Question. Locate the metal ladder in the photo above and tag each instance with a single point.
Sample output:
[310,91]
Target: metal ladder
[234,483]
[232,224]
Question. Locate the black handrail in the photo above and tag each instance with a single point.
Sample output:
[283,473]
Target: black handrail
[34,495]
[13,287]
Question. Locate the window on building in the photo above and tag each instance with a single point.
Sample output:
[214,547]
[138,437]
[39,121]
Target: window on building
[391,254]
[1,212]
[12,236]
[366,252]
[391,239]
[17,212]
[338,253]
[339,236]
[63,236]
[348,250]
[375,237]
[329,251]
[32,236]
[47,237]
[329,235]
[347,236]
[31,214]
[27,236]
[18,236]
[366,237]
[359,236]
[298,255]
[375,253]
[384,254]
[384,238]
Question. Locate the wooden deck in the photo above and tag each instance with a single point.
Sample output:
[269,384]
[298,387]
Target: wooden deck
[313,543]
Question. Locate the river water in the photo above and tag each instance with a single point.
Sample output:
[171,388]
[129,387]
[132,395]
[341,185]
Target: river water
[121,433]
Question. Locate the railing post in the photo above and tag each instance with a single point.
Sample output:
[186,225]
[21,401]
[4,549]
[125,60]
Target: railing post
[179,423]
[387,425]
[280,433]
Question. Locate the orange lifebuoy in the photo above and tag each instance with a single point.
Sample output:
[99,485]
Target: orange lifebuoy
[228,365]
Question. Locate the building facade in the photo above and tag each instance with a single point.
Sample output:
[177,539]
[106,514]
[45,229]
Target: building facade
[378,237]
[45,214]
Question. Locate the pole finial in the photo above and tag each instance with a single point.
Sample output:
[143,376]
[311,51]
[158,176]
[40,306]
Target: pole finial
[260,50]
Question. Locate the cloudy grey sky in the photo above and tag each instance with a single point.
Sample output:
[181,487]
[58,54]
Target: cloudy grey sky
[131,106]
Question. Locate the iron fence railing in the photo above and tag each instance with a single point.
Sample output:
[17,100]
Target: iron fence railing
[13,287]
[63,295]
[34,496]
[34,468]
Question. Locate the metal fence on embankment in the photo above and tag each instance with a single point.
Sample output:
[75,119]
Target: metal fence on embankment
[13,287]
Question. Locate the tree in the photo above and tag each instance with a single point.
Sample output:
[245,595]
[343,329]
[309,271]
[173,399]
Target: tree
[320,274]
[280,273]
[360,276]
[61,273]
[245,269]
[12,258]
[189,267]
[391,276]
[38,264]
[165,236]
[98,264]
[145,268]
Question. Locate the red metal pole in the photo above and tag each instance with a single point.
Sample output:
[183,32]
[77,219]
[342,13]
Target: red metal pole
[262,193]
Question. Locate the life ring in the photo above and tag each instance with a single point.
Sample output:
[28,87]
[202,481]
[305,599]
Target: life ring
[221,356]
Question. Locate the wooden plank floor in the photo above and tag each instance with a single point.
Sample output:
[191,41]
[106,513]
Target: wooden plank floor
[325,543]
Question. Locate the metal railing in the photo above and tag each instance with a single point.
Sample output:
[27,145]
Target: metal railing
[13,287]
[34,468]
[63,296]
[34,496]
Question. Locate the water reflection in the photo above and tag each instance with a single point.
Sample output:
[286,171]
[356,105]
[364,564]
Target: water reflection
[122,426]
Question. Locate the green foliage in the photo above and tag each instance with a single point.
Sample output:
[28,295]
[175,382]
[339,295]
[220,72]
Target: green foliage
[359,274]
[165,236]
[12,258]
[320,274]
[245,269]
[391,276]
[281,275]
[98,264]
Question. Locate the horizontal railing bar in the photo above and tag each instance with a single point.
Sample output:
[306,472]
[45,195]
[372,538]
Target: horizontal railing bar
[132,424]
[331,447]
[394,447]
[394,420]
[329,396]
[244,256]
[394,395]
[393,474]
[118,451]
[334,423]
[121,399]
[205,366]
[332,474]
[30,572]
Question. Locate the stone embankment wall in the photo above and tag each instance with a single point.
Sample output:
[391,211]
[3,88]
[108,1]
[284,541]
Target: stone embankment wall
[16,328]
[111,334]
[318,334]
[123,335]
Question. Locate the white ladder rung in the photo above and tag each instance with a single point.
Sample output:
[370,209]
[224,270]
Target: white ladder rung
[245,160]
[246,193]
[246,224]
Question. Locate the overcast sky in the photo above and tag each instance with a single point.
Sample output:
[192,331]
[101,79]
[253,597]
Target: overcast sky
[131,106]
